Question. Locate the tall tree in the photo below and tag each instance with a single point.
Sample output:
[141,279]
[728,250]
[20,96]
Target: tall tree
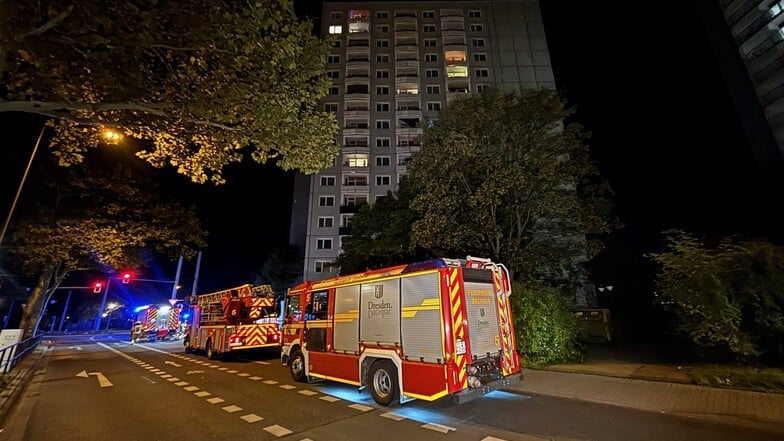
[380,235]
[205,81]
[501,176]
[96,218]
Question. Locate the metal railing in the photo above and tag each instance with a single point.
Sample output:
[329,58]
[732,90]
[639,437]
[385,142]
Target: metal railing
[11,355]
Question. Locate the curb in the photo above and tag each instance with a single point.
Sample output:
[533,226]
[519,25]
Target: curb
[18,379]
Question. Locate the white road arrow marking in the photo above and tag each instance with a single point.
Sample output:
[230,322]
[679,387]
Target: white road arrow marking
[102,380]
[173,364]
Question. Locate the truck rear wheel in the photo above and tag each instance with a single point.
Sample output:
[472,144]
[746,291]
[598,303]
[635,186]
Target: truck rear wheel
[382,379]
[211,354]
[297,366]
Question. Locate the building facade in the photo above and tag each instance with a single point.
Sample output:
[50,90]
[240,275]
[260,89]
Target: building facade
[757,28]
[394,66]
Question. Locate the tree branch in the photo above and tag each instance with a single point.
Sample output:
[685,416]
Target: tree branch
[48,25]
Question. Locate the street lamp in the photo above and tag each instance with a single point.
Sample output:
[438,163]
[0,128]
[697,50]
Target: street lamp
[21,184]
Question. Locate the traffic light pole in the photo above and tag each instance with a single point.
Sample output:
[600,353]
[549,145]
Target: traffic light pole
[103,305]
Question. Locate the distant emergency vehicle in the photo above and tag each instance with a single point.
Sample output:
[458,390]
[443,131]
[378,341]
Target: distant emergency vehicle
[233,319]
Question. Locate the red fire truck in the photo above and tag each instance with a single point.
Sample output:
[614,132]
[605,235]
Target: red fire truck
[233,319]
[420,331]
[157,322]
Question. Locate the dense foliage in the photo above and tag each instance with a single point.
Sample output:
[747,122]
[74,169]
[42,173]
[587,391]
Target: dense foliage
[498,176]
[545,327]
[94,218]
[380,235]
[204,81]
[726,296]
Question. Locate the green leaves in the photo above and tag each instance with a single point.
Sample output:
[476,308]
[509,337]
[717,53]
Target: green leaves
[201,81]
[725,295]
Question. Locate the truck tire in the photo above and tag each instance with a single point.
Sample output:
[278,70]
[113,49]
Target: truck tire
[297,366]
[382,379]
[211,354]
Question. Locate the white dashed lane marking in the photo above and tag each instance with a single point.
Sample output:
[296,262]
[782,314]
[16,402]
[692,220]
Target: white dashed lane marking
[270,382]
[252,418]
[438,427]
[181,383]
[254,378]
[360,407]
[329,398]
[232,408]
[286,386]
[201,394]
[277,430]
[215,400]
[191,388]
[307,392]
[393,416]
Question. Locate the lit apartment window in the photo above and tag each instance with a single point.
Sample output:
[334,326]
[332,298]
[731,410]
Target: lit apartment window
[434,106]
[327,181]
[382,58]
[382,29]
[432,58]
[331,107]
[431,73]
[334,90]
[336,15]
[433,90]
[382,90]
[478,42]
[382,107]
[382,124]
[382,161]
[482,87]
[335,29]
[482,73]
[455,56]
[477,28]
[326,201]
[355,160]
[382,14]
[334,74]
[474,14]
[429,42]
[428,14]
[480,57]
[382,142]
[326,221]
[429,28]
[456,71]
[383,180]
[382,43]
[382,73]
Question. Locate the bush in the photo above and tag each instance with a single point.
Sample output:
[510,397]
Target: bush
[546,328]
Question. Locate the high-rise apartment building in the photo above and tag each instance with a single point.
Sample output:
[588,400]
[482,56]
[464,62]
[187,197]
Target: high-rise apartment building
[394,66]
[757,28]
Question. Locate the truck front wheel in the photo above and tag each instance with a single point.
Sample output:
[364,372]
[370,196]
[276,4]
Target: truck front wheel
[297,366]
[383,382]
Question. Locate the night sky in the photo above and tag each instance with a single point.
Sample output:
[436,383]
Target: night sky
[645,82]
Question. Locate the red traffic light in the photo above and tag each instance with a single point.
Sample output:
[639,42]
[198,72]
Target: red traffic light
[126,277]
[97,287]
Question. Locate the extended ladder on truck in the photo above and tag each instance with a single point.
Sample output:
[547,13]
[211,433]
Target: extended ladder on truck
[234,319]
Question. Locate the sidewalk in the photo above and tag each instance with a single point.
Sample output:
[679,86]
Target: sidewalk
[661,388]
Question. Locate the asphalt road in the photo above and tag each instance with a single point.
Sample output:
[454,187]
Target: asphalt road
[102,388]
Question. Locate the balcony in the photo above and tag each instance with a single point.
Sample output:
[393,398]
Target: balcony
[358,63]
[344,231]
[348,209]
[407,63]
[410,35]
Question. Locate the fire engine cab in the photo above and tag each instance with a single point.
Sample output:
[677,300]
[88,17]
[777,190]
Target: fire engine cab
[233,319]
[419,331]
